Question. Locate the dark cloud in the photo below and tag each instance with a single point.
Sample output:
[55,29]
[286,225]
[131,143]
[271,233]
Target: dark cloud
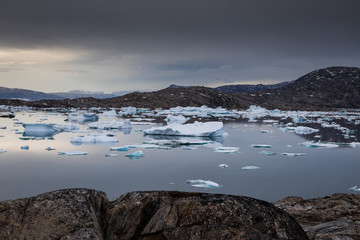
[257,38]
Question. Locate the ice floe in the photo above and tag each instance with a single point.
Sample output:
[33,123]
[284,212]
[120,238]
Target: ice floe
[73,153]
[82,116]
[261,146]
[203,183]
[300,130]
[92,139]
[26,147]
[111,155]
[226,149]
[293,154]
[137,154]
[269,153]
[223,165]
[250,168]
[180,119]
[49,149]
[312,144]
[2,151]
[196,129]
[354,144]
[111,125]
[354,189]
[121,149]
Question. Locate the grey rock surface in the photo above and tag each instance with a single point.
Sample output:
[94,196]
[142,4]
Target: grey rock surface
[87,214]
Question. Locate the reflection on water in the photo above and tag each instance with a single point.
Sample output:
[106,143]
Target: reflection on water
[315,172]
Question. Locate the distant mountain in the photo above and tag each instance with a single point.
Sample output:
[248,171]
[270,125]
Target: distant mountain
[177,86]
[249,88]
[83,94]
[333,87]
[28,95]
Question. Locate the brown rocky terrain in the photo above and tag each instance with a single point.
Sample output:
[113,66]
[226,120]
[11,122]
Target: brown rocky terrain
[87,214]
[333,217]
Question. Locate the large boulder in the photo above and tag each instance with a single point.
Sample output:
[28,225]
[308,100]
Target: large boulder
[87,214]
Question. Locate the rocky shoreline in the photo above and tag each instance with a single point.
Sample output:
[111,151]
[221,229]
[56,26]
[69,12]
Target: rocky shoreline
[88,214]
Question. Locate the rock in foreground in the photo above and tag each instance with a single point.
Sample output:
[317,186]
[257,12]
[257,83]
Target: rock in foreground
[87,214]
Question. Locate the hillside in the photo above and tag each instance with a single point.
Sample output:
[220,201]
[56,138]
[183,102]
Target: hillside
[333,87]
[249,88]
[11,93]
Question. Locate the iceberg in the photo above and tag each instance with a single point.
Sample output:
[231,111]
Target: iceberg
[293,154]
[260,145]
[180,119]
[197,129]
[269,153]
[92,139]
[137,154]
[203,183]
[111,125]
[300,130]
[178,142]
[73,153]
[43,129]
[354,144]
[250,168]
[82,116]
[121,149]
[312,144]
[223,165]
[227,149]
[354,189]
[66,127]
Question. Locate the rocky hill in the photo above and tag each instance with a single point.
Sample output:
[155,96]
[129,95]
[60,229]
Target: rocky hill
[334,87]
[88,214]
[249,88]
[11,93]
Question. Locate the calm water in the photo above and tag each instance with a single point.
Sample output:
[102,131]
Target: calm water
[320,172]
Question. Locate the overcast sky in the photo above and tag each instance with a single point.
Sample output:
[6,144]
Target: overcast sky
[115,45]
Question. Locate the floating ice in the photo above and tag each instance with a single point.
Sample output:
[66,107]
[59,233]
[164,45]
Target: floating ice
[49,149]
[178,142]
[250,168]
[203,183]
[137,154]
[207,129]
[312,144]
[300,130]
[109,113]
[269,153]
[26,147]
[223,165]
[82,116]
[111,125]
[260,145]
[188,148]
[180,119]
[39,128]
[354,189]
[73,153]
[93,139]
[265,131]
[2,151]
[66,128]
[354,144]
[293,154]
[227,149]
[121,149]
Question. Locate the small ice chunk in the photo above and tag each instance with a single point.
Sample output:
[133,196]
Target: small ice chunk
[260,145]
[49,149]
[300,130]
[227,149]
[43,128]
[121,149]
[65,127]
[93,139]
[354,144]
[312,144]
[203,183]
[354,189]
[223,165]
[180,119]
[2,151]
[265,131]
[289,145]
[269,153]
[250,168]
[188,148]
[111,125]
[73,153]
[293,154]
[26,147]
[137,154]
[111,155]
[206,129]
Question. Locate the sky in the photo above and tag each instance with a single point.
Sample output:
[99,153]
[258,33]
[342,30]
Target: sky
[120,45]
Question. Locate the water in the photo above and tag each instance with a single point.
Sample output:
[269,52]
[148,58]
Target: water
[25,173]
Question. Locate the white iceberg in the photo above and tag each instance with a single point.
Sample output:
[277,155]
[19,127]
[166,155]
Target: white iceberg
[223,165]
[293,154]
[39,128]
[312,144]
[227,149]
[354,189]
[111,125]
[197,129]
[93,139]
[180,119]
[73,153]
[354,144]
[203,183]
[250,168]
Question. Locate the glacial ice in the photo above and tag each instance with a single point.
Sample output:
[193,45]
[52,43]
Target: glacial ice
[206,129]
[92,139]
[111,125]
[73,153]
[312,144]
[223,165]
[121,149]
[111,155]
[354,189]
[203,183]
[250,168]
[178,142]
[269,153]
[293,154]
[354,144]
[300,130]
[2,151]
[260,145]
[137,154]
[49,149]
[26,147]
[82,116]
[180,119]
[227,149]
[46,129]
